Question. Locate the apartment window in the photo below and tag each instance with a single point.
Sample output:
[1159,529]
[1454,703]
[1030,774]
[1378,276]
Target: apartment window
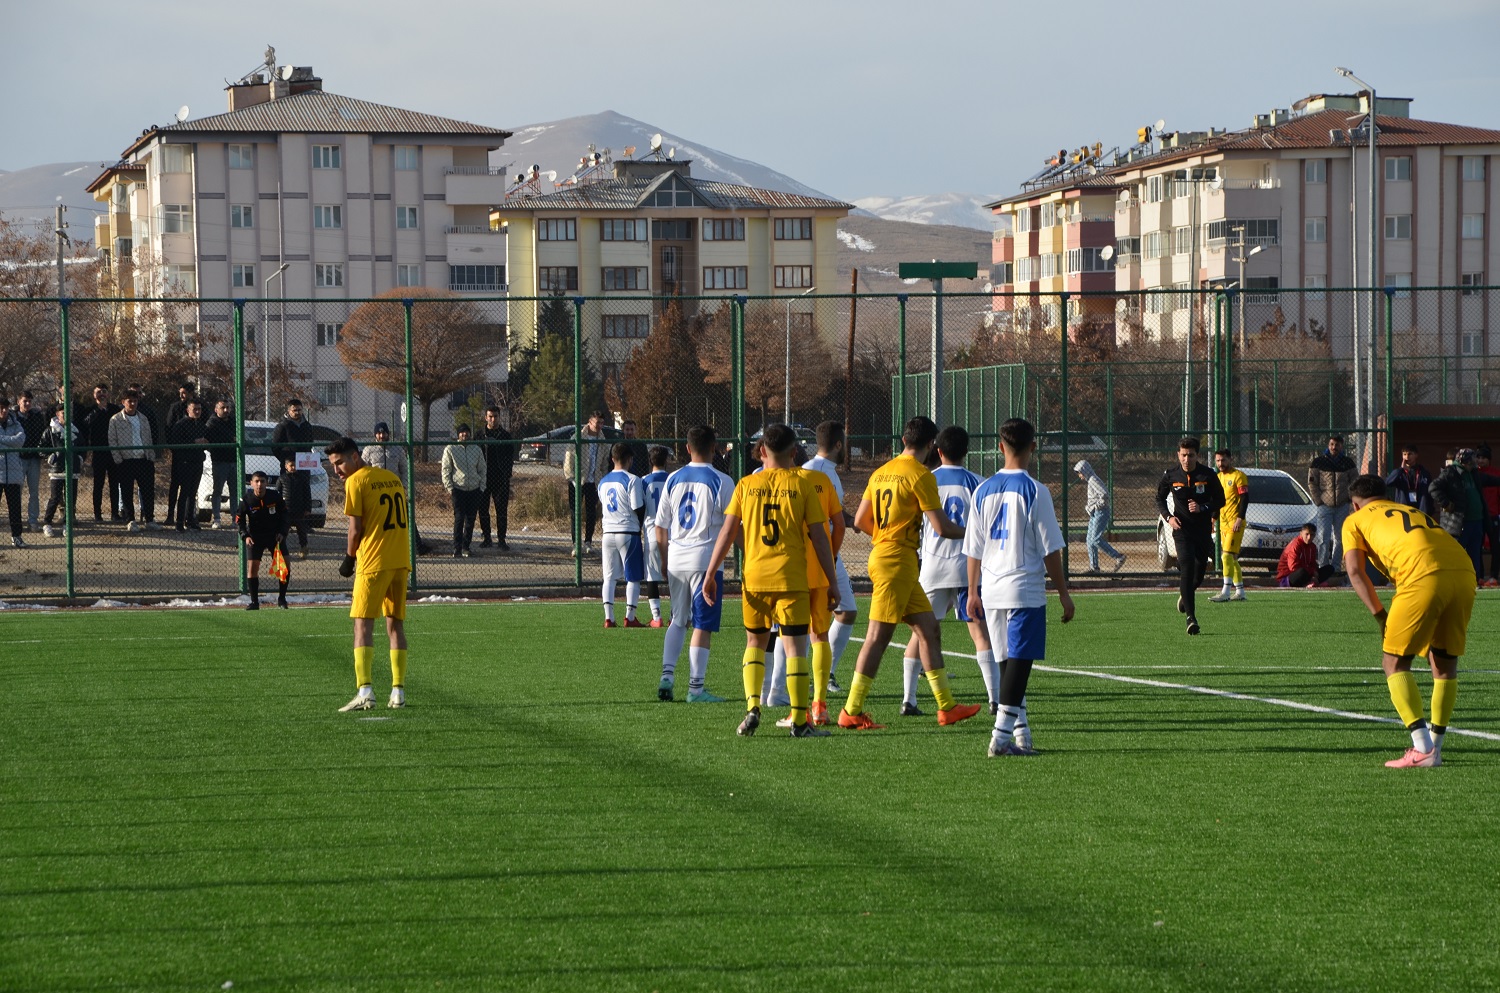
[557,230]
[328,274]
[183,332]
[1049,214]
[1398,168]
[552,278]
[1051,264]
[249,333]
[623,230]
[124,248]
[1400,282]
[793,277]
[241,275]
[328,216]
[328,333]
[726,229]
[1154,244]
[1397,227]
[182,278]
[1473,226]
[793,228]
[1472,343]
[672,230]
[1127,246]
[242,156]
[1262,231]
[1182,240]
[1471,281]
[483,278]
[1026,269]
[624,278]
[1315,171]
[674,193]
[408,274]
[1154,190]
[241,215]
[1315,229]
[1160,303]
[1473,166]
[726,277]
[406,158]
[1003,273]
[626,326]
[327,157]
[1088,260]
[1262,289]
[333,393]
[176,218]
[1315,286]
[176,158]
[406,218]
[1024,220]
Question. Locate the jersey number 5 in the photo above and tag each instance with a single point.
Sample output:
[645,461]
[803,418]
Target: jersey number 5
[770,528]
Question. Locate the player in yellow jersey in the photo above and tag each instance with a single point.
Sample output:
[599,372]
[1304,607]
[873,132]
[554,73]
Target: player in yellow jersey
[897,498]
[1231,524]
[378,556]
[774,512]
[820,615]
[1429,615]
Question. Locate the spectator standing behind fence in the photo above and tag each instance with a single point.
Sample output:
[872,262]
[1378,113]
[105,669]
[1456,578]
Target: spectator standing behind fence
[187,464]
[220,431]
[1097,507]
[63,485]
[96,435]
[11,474]
[1298,565]
[463,478]
[1328,478]
[186,393]
[264,524]
[294,434]
[595,455]
[1409,483]
[384,455]
[1457,492]
[33,423]
[640,456]
[1491,493]
[132,443]
[499,463]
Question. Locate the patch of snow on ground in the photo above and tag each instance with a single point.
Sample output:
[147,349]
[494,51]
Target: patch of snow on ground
[112,603]
[71,172]
[439,598]
[6,605]
[855,242]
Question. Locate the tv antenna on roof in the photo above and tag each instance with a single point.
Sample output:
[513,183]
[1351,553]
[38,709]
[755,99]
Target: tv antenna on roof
[671,154]
[182,113]
[656,142]
[630,151]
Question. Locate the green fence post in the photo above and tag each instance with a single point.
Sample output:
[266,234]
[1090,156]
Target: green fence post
[577,481]
[1390,422]
[901,299]
[737,382]
[1063,419]
[238,483]
[411,455]
[70,485]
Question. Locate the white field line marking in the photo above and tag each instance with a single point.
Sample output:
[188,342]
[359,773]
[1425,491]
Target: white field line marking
[1230,695]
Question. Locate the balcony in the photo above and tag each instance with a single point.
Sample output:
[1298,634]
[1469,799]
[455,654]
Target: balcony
[1090,218]
[492,289]
[474,186]
[484,229]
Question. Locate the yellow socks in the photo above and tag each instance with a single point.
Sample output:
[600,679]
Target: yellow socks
[796,687]
[364,665]
[398,667]
[858,690]
[753,672]
[822,666]
[1444,692]
[938,680]
[1232,572]
[1404,694]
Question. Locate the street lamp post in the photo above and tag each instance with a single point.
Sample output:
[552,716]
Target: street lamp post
[1241,256]
[1369,385]
[786,407]
[265,337]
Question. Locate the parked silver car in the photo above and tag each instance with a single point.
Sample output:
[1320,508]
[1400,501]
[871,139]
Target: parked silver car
[1279,506]
[258,458]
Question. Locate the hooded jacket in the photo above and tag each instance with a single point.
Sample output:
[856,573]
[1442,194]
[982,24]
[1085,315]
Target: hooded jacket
[12,434]
[1098,498]
[1328,479]
[463,467]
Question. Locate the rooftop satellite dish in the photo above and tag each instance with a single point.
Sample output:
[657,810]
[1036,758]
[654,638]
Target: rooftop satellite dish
[656,142]
[551,175]
[629,151]
[1217,183]
[535,169]
[1107,252]
[671,153]
[182,113]
[1160,125]
[1124,196]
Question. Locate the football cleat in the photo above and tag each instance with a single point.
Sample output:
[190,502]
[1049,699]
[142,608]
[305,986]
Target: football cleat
[817,713]
[631,622]
[1192,625]
[749,724]
[703,696]
[957,712]
[281,602]
[1239,594]
[363,700]
[398,698]
[910,710]
[1023,744]
[1223,596]
[833,686]
[664,690]
[656,622]
[254,604]
[610,624]
[786,722]
[858,722]
[1000,749]
[1414,759]
[807,731]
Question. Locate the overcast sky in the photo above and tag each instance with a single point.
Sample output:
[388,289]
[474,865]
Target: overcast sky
[880,97]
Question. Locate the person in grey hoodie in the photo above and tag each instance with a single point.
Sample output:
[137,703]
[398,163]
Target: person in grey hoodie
[12,434]
[1097,507]
[464,478]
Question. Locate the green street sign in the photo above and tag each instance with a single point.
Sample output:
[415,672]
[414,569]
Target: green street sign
[938,270]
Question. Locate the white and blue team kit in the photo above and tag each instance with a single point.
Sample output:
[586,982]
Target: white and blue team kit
[653,482]
[1012,529]
[691,511]
[841,575]
[621,495]
[945,567]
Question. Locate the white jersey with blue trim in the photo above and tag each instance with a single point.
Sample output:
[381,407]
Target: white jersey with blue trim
[944,564]
[829,468]
[653,482]
[691,511]
[1012,529]
[620,496]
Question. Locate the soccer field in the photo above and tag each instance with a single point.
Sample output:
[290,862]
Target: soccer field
[181,808]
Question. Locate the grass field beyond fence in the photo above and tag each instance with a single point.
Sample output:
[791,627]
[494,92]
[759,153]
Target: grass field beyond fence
[181,808]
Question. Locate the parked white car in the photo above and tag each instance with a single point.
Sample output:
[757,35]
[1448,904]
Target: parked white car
[1279,506]
[258,458]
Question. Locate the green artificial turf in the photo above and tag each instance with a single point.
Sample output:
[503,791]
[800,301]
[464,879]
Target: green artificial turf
[181,807]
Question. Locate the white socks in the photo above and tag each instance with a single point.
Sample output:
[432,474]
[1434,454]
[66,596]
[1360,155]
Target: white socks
[655,608]
[670,649]
[838,640]
[697,668]
[990,670]
[911,675]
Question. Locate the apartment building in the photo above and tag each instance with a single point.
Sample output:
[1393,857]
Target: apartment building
[299,194]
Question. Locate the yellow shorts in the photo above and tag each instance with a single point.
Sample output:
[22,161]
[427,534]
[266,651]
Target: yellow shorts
[817,610]
[1230,540]
[378,594]
[894,600]
[762,609]
[1431,612]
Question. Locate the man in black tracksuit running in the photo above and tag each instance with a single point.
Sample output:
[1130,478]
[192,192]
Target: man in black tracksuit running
[1189,497]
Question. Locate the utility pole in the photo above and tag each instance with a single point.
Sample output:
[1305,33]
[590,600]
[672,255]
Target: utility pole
[61,230]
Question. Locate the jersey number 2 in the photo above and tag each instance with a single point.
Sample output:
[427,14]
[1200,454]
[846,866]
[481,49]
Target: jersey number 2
[395,511]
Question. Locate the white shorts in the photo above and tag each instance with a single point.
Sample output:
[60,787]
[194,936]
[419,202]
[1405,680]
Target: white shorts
[846,589]
[654,571]
[688,608]
[623,558]
[954,599]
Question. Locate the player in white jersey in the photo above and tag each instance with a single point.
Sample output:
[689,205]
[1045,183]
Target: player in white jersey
[689,517]
[622,503]
[831,443]
[653,481]
[945,571]
[1012,540]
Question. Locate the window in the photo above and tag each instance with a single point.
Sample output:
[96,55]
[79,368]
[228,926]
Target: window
[1127,246]
[1262,231]
[1315,171]
[1397,168]
[1315,229]
[1024,220]
[176,158]
[182,278]
[1473,226]
[327,157]
[1159,303]
[1257,287]
[551,278]
[726,277]
[672,230]
[177,218]
[674,193]
[1049,214]
[406,218]
[1051,264]
[1471,281]
[1026,269]
[624,278]
[330,216]
[1473,167]
[482,278]
[730,229]
[1089,260]
[1315,287]
[1003,273]
[1155,244]
[406,158]
[557,230]
[328,334]
[1400,282]
[241,215]
[249,333]
[626,326]
[408,274]
[793,228]
[124,248]
[1182,240]
[1473,343]
[1154,190]
[328,274]
[793,277]
[183,332]
[1397,227]
[333,393]
[242,156]
[623,230]
[242,275]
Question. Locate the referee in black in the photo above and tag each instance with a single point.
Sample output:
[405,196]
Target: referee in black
[264,523]
[1189,497]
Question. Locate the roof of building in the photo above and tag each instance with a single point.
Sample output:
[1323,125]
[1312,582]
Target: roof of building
[118,167]
[631,192]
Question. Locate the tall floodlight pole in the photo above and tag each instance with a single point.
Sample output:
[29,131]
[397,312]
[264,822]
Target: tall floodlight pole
[1374,307]
[265,337]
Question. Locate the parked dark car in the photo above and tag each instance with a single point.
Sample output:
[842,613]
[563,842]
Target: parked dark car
[550,447]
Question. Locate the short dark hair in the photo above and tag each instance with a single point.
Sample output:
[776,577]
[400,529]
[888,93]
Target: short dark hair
[657,456]
[1483,451]
[492,410]
[462,427]
[1224,452]
[621,452]
[294,402]
[257,474]
[628,420]
[101,386]
[953,442]
[701,439]
[132,394]
[1017,434]
[1336,437]
[343,446]
[830,433]
[26,395]
[4,401]
[1367,487]
[1408,447]
[187,385]
[1311,528]
[1190,443]
[779,439]
[919,432]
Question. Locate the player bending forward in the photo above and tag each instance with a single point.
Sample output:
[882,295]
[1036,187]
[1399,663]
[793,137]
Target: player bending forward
[1012,540]
[689,517]
[1429,615]
[378,556]
[622,502]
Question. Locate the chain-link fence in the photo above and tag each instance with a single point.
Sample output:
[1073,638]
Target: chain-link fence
[1268,373]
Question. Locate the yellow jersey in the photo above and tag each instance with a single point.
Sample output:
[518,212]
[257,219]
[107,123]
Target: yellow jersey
[900,493]
[828,500]
[775,509]
[377,497]
[1402,542]
[1236,490]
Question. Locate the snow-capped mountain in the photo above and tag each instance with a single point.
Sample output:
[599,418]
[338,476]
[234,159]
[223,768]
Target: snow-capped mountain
[963,210]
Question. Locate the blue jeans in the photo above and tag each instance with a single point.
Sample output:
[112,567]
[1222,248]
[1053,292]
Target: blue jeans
[1331,535]
[32,469]
[1098,525]
[1472,538]
[224,480]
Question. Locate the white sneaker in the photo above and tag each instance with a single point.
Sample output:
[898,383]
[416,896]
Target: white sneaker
[363,700]
[133,526]
[398,698]
[1223,596]
[1239,594]
[47,530]
[785,722]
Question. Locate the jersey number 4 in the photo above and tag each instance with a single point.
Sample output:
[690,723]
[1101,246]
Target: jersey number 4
[998,530]
[395,511]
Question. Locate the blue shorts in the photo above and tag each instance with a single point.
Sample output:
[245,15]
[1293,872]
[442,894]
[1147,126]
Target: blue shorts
[1021,631]
[626,551]
[955,599]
